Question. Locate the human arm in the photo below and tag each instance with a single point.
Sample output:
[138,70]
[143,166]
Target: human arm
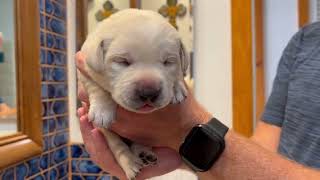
[267,136]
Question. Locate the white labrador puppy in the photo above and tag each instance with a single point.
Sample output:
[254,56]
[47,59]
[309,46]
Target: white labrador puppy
[135,58]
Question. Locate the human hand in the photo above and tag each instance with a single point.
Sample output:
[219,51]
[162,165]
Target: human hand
[97,147]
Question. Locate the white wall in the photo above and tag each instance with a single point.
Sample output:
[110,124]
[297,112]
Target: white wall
[313,10]
[213,73]
[75,135]
[280,22]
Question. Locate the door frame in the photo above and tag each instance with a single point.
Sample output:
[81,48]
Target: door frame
[246,32]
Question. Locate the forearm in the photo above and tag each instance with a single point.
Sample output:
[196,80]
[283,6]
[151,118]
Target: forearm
[243,159]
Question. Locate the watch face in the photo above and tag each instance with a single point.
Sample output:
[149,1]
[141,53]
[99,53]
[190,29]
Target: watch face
[201,149]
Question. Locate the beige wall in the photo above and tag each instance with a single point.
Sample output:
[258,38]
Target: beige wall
[96,5]
[213,71]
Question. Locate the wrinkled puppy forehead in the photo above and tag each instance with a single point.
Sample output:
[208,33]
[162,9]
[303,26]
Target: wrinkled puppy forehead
[144,33]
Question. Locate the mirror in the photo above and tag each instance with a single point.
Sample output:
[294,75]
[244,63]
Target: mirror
[8,93]
[20,82]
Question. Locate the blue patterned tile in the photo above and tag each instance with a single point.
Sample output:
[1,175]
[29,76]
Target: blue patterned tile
[34,166]
[44,109]
[61,90]
[49,109]
[60,43]
[46,143]
[45,127]
[44,161]
[44,91]
[56,42]
[85,166]
[52,125]
[56,58]
[58,10]
[76,177]
[59,74]
[50,41]
[51,91]
[46,74]
[60,139]
[38,177]
[49,7]
[8,174]
[90,177]
[106,177]
[41,5]
[46,175]
[74,166]
[42,21]
[42,56]
[42,38]
[62,123]
[65,178]
[59,107]
[53,174]
[21,171]
[63,170]
[50,57]
[55,25]
[60,59]
[58,156]
[78,151]
[62,2]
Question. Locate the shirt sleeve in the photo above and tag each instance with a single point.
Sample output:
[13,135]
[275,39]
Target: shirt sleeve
[275,107]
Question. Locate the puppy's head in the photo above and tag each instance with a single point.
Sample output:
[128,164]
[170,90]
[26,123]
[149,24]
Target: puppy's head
[141,58]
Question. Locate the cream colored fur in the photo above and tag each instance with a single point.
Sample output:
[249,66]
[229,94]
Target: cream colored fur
[155,53]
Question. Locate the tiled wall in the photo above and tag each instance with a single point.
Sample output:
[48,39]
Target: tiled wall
[53,162]
[58,160]
[82,168]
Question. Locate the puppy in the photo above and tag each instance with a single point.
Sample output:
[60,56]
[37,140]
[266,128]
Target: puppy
[135,59]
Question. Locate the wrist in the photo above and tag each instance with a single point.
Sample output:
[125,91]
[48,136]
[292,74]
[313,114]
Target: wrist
[196,115]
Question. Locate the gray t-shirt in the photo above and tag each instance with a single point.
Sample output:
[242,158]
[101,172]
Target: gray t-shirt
[294,104]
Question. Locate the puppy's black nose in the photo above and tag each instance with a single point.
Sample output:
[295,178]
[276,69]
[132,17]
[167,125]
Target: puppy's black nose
[148,94]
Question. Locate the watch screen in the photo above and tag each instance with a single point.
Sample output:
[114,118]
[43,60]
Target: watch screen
[202,151]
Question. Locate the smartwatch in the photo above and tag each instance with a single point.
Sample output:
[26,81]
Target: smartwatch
[203,145]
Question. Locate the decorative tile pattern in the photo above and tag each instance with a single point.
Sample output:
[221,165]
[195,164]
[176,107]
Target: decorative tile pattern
[53,162]
[83,168]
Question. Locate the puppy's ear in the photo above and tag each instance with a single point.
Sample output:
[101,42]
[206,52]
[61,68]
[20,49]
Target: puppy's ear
[184,58]
[96,61]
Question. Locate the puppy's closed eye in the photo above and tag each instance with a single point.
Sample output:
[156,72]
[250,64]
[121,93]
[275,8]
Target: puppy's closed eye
[170,61]
[124,62]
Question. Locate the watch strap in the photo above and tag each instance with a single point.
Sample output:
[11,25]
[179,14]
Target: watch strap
[217,127]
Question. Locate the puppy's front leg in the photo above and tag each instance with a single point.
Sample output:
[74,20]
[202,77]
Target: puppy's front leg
[128,161]
[102,109]
[180,92]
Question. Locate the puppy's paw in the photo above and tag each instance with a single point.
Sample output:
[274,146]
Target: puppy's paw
[145,154]
[180,93]
[101,115]
[130,164]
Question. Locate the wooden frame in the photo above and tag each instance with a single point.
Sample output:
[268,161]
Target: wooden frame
[242,79]
[259,59]
[242,64]
[81,22]
[28,142]
[303,12]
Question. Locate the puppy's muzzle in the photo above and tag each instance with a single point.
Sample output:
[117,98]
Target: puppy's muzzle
[148,91]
